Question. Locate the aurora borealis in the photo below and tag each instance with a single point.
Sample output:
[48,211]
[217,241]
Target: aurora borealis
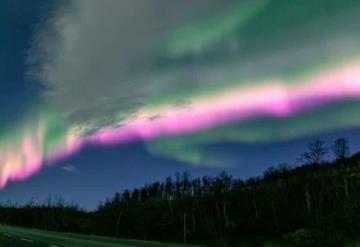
[206,72]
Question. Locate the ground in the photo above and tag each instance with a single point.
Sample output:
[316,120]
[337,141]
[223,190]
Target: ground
[22,237]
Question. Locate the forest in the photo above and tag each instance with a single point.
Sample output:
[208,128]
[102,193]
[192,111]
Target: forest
[316,203]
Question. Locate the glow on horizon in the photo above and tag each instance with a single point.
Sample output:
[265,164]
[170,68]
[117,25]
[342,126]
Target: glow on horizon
[22,158]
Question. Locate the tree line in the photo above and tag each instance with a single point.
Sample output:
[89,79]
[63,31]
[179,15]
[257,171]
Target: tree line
[316,203]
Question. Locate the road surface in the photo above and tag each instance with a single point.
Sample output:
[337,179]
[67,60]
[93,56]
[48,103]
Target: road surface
[23,237]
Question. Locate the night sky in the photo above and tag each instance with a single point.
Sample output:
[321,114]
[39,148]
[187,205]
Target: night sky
[98,98]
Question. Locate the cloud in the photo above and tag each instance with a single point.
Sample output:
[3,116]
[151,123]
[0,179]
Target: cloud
[94,56]
[103,62]
[69,168]
[198,71]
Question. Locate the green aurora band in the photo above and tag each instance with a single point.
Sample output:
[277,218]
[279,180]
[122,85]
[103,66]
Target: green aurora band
[235,45]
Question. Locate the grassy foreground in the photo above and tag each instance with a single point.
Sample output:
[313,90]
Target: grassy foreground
[17,236]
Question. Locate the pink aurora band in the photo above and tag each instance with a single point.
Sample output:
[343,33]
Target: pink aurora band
[268,98]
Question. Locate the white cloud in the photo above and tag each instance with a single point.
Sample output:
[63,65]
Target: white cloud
[69,168]
[94,55]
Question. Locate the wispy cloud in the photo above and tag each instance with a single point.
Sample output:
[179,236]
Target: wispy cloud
[94,56]
[69,168]
[102,61]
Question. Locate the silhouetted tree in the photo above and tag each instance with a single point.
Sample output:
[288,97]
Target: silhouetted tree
[271,173]
[341,149]
[319,203]
[316,153]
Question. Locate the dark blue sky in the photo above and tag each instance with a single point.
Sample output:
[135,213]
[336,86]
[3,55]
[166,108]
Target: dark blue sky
[18,20]
[101,171]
